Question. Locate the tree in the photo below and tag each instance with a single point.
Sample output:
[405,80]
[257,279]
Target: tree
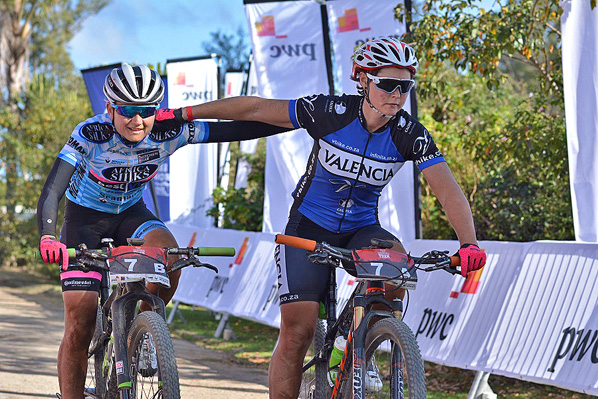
[518,158]
[41,101]
[46,27]
[232,47]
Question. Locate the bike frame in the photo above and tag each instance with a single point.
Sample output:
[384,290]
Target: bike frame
[114,310]
[359,309]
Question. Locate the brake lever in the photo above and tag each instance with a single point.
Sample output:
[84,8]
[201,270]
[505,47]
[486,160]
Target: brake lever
[206,265]
[319,258]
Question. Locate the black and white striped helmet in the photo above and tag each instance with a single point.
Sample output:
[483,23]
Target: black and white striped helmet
[383,52]
[137,84]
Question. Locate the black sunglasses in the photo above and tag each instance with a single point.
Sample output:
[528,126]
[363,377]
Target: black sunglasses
[389,85]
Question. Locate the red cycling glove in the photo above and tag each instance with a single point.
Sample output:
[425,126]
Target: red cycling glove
[472,258]
[53,251]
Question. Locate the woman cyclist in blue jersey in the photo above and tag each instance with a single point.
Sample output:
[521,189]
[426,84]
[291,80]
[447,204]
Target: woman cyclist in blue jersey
[103,168]
[361,140]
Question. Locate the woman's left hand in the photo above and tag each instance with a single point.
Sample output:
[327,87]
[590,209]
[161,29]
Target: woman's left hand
[472,258]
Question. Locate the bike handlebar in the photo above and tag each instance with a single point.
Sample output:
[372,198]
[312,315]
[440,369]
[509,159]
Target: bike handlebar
[302,243]
[433,257]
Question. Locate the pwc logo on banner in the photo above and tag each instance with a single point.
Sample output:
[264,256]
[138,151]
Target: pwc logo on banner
[266,28]
[241,254]
[469,286]
[350,22]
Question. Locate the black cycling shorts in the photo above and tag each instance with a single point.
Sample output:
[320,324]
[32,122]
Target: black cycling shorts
[88,226]
[301,280]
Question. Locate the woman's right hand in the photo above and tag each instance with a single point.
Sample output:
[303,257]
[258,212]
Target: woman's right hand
[53,251]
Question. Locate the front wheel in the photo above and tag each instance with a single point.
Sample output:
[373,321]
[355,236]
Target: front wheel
[314,381]
[394,366]
[153,368]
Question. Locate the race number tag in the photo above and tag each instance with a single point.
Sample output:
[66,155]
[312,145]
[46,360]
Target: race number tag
[136,263]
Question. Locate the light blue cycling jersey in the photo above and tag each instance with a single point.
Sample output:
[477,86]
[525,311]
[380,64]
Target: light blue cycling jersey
[110,175]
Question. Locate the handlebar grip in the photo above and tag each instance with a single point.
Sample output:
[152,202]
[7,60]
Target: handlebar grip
[455,261]
[308,245]
[215,251]
[71,251]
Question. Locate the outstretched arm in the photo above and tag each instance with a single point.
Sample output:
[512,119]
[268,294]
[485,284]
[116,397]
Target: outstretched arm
[245,108]
[219,132]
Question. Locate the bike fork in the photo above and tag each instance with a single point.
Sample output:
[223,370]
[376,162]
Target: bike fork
[359,361]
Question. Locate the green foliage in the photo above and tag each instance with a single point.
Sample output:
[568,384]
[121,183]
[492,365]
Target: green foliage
[242,209]
[54,24]
[491,94]
[48,112]
[232,47]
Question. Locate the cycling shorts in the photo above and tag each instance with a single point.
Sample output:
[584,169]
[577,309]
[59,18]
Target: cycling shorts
[88,226]
[301,280]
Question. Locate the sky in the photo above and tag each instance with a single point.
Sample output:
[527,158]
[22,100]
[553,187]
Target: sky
[152,31]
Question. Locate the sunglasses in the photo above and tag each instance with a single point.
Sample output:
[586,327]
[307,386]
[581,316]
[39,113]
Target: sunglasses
[389,85]
[129,111]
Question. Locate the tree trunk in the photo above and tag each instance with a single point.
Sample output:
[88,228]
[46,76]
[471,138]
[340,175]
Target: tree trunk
[14,48]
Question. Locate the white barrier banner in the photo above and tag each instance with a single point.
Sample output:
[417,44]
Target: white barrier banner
[288,48]
[289,59]
[193,168]
[233,83]
[579,24]
[530,313]
[246,284]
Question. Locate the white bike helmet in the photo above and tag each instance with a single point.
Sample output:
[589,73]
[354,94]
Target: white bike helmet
[383,52]
[137,84]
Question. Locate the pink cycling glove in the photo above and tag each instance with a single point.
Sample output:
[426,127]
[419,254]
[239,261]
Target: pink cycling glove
[472,258]
[168,118]
[53,251]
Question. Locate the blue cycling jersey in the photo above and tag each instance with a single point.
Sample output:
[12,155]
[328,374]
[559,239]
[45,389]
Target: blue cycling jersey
[110,175]
[349,166]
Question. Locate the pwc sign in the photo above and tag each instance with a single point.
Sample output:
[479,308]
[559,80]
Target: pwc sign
[266,27]
[350,22]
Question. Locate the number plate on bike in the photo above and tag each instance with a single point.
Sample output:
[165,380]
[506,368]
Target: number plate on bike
[384,264]
[130,263]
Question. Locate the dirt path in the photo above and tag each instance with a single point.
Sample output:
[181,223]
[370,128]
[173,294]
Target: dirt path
[31,327]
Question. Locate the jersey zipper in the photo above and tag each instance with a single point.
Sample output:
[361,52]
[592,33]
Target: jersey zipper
[354,182]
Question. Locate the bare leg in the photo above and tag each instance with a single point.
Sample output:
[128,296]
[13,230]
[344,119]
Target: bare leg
[163,238]
[297,327]
[79,323]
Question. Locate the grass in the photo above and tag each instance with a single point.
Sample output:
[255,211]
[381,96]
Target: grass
[254,342]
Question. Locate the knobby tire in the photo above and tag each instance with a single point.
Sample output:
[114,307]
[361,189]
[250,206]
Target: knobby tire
[151,324]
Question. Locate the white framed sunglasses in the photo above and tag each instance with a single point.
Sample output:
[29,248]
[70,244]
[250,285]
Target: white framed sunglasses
[389,85]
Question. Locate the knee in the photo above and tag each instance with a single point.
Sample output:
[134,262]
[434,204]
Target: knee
[78,332]
[296,338]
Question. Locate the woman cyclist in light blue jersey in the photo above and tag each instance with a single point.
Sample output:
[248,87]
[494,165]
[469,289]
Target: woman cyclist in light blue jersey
[360,142]
[103,168]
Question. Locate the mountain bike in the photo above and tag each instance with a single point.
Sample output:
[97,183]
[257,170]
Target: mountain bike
[381,358]
[131,354]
